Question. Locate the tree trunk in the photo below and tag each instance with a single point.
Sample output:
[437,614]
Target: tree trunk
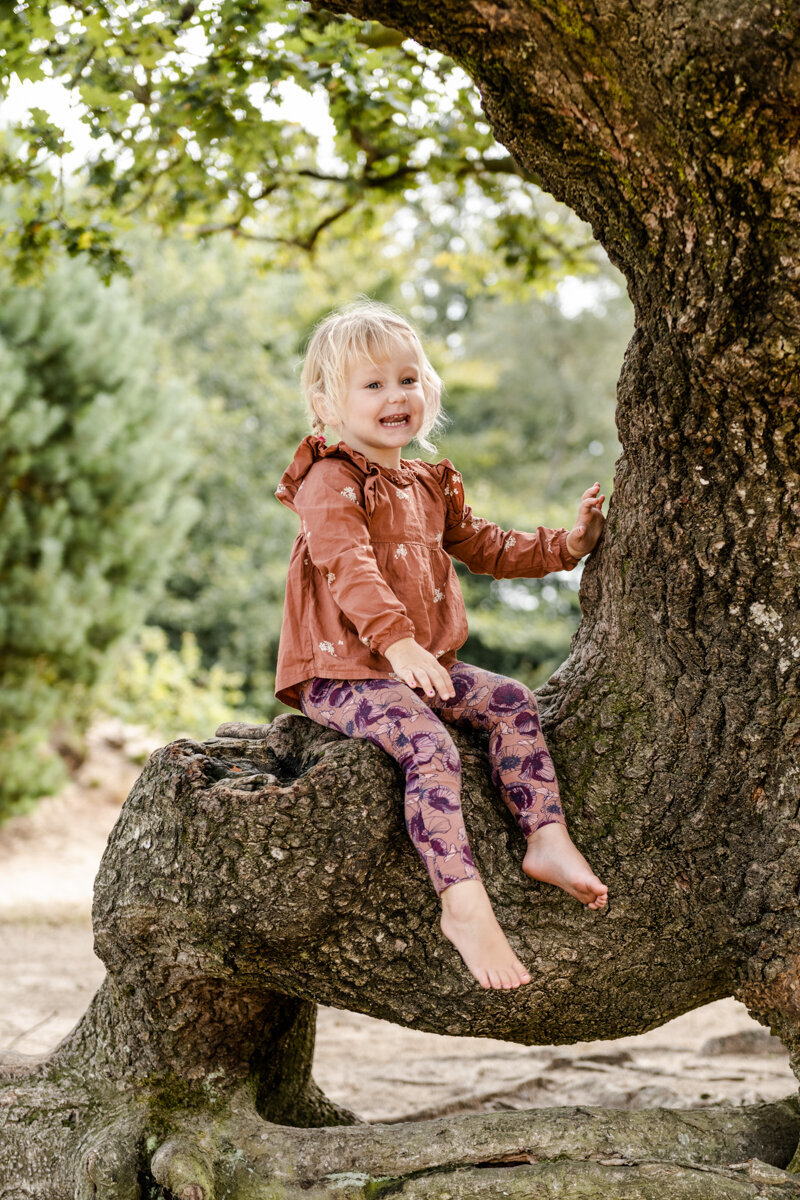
[258,873]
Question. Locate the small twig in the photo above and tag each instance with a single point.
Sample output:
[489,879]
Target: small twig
[81,67]
[152,184]
[25,1032]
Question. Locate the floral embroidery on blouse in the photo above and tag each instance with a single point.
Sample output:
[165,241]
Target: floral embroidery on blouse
[350,494]
[280,489]
[437,596]
[331,576]
[306,561]
[328,646]
[456,479]
[403,495]
[438,653]
[510,541]
[401,551]
[367,641]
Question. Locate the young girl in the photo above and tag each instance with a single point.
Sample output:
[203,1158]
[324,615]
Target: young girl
[374,616]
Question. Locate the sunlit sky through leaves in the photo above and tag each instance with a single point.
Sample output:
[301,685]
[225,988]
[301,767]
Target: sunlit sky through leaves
[573,294]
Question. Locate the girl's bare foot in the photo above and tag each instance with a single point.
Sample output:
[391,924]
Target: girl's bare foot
[469,922]
[553,857]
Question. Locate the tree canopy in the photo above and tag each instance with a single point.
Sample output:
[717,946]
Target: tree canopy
[188,110]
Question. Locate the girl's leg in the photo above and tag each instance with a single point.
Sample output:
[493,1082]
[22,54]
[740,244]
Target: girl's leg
[394,717]
[523,772]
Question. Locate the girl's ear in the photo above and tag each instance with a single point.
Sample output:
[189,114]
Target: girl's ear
[323,408]
[327,412]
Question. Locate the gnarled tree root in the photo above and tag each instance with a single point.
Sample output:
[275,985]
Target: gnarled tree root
[60,1140]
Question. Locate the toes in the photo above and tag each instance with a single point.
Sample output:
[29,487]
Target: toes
[515,975]
[502,978]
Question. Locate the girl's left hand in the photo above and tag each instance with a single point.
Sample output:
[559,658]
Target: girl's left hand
[589,524]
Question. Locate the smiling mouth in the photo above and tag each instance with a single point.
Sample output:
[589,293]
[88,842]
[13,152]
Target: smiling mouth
[395,420]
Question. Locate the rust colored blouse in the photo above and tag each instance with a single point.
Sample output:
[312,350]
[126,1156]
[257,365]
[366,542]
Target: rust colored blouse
[371,563]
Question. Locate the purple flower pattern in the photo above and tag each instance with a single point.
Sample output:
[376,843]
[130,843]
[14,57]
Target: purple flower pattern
[414,731]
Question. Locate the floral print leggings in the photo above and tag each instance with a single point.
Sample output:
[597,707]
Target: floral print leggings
[395,717]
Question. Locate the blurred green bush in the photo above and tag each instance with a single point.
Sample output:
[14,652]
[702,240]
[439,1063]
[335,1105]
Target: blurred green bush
[147,683]
[93,452]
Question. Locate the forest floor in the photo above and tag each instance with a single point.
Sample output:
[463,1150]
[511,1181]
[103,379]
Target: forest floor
[48,974]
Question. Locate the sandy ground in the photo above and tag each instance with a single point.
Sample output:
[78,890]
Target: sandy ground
[48,974]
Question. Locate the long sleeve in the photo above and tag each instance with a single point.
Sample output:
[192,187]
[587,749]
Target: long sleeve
[489,550]
[334,522]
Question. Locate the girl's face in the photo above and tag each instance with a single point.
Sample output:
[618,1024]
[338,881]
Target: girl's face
[376,393]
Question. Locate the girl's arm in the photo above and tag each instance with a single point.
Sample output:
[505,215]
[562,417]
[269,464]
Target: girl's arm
[489,550]
[330,505]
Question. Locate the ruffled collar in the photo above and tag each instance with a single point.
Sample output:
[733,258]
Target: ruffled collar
[312,448]
[402,474]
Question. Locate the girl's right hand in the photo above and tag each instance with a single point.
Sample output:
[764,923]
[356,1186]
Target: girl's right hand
[417,667]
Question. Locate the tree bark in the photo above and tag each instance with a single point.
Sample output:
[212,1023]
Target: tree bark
[255,874]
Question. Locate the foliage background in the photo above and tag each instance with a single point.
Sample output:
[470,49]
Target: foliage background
[187,375]
[93,456]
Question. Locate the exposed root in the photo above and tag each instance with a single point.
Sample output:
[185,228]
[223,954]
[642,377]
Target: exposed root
[109,1158]
[56,1144]
[572,1154]
[599,1181]
[184,1167]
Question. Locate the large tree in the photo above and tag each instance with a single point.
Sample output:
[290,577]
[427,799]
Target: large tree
[256,873]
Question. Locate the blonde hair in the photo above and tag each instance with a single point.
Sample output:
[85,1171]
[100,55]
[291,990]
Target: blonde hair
[363,329]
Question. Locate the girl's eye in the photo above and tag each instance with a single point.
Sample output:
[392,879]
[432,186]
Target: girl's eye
[373,385]
[410,379]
